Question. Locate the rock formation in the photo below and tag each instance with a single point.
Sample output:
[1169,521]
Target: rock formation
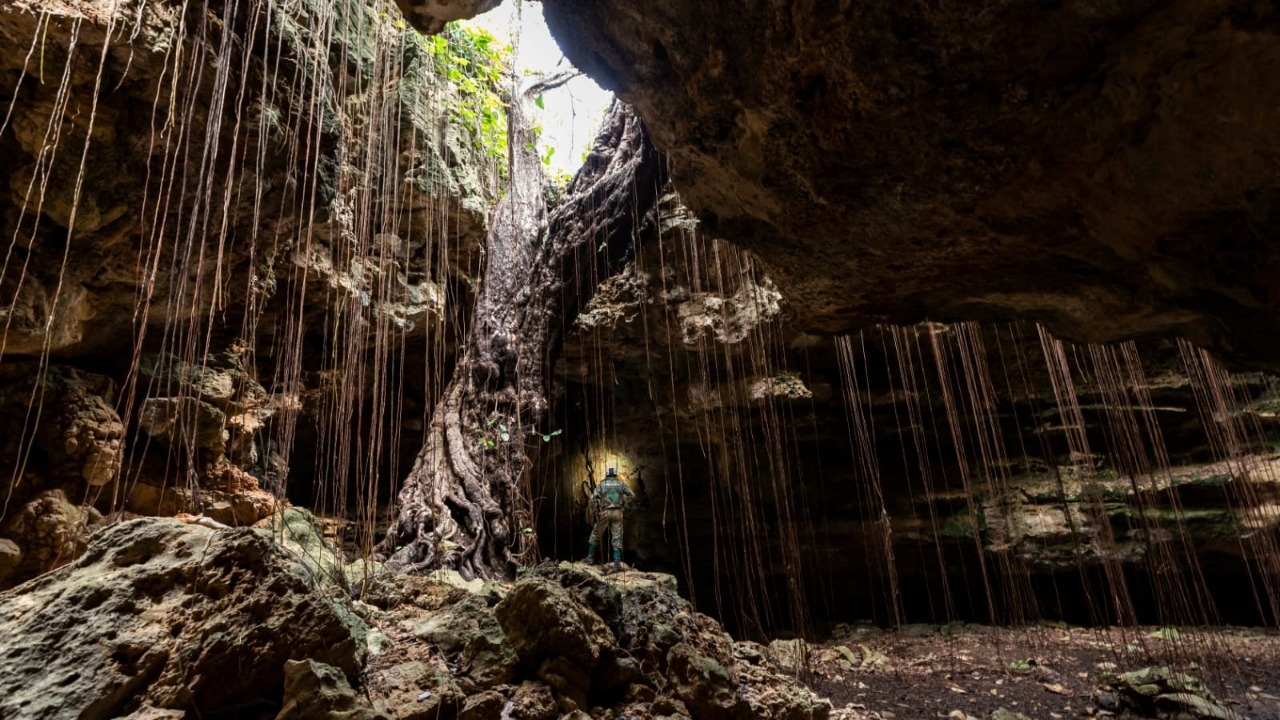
[1106,170]
[244,238]
[167,615]
[162,618]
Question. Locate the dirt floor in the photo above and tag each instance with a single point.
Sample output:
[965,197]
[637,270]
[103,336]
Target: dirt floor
[1042,672]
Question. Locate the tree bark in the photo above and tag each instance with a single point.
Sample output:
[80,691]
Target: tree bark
[465,504]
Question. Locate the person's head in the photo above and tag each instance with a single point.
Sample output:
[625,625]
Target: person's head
[611,470]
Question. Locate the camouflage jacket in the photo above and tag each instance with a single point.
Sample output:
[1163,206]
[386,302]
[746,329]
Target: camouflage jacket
[612,494]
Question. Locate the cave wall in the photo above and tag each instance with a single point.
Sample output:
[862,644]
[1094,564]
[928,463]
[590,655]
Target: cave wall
[239,237]
[740,435]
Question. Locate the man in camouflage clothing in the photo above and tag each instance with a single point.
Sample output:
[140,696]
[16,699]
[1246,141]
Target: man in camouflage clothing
[609,501]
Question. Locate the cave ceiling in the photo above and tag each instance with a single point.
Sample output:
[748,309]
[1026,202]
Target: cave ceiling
[1110,169]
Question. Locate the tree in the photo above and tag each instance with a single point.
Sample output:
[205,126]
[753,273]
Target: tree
[465,504]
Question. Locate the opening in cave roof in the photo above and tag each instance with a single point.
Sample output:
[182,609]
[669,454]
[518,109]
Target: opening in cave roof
[570,114]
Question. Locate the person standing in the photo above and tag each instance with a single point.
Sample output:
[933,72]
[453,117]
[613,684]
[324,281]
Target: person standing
[609,502]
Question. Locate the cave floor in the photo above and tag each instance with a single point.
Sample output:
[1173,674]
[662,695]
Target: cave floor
[1043,672]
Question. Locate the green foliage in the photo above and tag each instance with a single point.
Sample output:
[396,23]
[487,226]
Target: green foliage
[493,432]
[473,63]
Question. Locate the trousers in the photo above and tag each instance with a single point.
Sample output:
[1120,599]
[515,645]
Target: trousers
[608,519]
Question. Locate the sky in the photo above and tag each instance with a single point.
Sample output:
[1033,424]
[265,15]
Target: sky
[573,112]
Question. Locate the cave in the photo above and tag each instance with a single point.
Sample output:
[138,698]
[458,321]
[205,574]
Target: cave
[901,320]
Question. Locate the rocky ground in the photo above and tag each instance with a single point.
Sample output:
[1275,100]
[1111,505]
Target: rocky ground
[161,618]
[962,671]
[172,618]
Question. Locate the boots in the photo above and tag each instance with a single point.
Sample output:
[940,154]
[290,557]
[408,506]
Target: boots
[617,560]
[591,555]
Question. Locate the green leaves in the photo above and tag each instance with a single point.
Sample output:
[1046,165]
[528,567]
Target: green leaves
[495,431]
[473,62]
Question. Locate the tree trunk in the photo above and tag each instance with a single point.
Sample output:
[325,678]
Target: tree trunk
[465,504]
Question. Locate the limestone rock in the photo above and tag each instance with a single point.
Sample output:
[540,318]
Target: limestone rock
[79,433]
[299,533]
[790,655]
[172,615]
[569,641]
[703,683]
[216,404]
[174,420]
[81,301]
[1044,204]
[10,558]
[487,705]
[33,317]
[471,629]
[430,16]
[533,701]
[146,712]
[1201,708]
[316,691]
[415,691]
[770,693]
[147,499]
[654,627]
[541,620]
[50,531]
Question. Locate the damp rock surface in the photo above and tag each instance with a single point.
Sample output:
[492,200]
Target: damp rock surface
[160,615]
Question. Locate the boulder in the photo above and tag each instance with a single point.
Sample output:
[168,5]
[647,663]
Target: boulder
[567,641]
[487,705]
[703,684]
[470,629]
[169,615]
[147,499]
[50,531]
[316,691]
[533,701]
[789,655]
[299,533]
[542,620]
[78,435]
